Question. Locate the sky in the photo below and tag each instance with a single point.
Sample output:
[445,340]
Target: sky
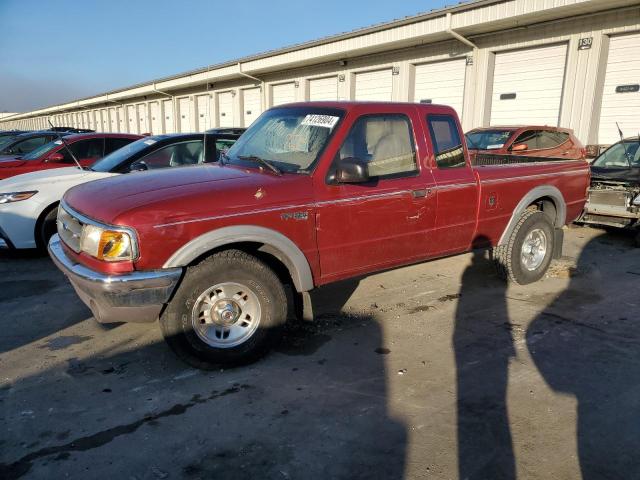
[53,51]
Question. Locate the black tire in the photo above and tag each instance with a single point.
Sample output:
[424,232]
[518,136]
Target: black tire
[226,267]
[508,257]
[47,228]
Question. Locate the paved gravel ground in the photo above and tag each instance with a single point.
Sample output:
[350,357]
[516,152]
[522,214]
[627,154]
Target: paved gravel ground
[432,371]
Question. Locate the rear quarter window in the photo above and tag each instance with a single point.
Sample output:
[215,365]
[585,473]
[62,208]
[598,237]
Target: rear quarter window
[447,145]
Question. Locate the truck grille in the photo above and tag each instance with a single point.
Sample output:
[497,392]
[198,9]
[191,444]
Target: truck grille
[69,229]
[612,198]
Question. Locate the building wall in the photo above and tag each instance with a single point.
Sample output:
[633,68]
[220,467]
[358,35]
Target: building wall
[200,105]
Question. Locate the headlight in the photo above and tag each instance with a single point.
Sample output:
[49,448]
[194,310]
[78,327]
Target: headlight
[636,201]
[105,244]
[16,196]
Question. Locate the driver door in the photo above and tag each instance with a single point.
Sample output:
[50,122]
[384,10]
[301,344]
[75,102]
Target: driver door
[363,227]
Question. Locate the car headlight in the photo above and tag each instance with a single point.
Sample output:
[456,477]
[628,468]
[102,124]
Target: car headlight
[636,201]
[16,196]
[105,244]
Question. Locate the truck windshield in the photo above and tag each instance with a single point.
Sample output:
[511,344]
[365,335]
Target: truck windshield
[116,158]
[487,139]
[290,138]
[616,155]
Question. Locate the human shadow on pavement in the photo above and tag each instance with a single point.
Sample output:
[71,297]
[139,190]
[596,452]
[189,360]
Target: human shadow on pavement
[318,413]
[483,346]
[593,353]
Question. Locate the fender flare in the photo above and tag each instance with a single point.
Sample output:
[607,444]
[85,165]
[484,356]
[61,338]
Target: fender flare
[535,194]
[275,242]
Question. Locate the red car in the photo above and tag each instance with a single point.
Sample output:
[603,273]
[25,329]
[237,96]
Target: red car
[87,148]
[531,141]
[311,193]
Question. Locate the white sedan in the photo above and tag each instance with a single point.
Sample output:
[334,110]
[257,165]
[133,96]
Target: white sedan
[29,202]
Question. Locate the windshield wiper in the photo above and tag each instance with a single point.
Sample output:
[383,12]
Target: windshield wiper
[262,162]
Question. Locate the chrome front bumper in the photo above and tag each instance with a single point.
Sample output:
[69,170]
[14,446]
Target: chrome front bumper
[131,297]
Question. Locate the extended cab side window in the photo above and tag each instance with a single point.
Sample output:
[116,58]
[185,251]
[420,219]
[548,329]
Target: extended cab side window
[528,138]
[446,141]
[384,142]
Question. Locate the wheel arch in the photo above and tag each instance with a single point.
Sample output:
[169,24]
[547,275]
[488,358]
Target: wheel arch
[269,242]
[542,196]
[45,211]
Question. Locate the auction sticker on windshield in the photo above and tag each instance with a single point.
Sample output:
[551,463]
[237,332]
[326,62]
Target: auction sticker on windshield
[327,121]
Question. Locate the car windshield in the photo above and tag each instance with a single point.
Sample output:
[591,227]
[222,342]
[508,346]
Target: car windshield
[40,151]
[117,157]
[616,155]
[291,139]
[487,139]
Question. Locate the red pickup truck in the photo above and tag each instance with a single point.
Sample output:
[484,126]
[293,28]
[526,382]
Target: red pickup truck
[312,193]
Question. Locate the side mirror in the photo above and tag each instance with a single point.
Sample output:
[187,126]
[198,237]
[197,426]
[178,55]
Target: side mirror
[352,170]
[519,147]
[138,166]
[55,158]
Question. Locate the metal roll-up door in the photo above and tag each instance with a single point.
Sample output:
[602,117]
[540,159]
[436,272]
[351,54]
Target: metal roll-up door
[323,89]
[184,115]
[441,83]
[283,93]
[105,120]
[121,123]
[527,86]
[252,105]
[132,120]
[203,106]
[113,120]
[621,94]
[225,110]
[143,118]
[374,86]
[156,118]
[98,117]
[168,120]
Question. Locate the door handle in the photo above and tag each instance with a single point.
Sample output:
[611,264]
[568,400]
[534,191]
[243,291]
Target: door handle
[421,193]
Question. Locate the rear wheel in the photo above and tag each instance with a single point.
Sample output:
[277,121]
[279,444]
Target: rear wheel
[228,311]
[526,256]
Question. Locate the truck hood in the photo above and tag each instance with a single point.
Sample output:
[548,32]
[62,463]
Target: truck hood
[630,176]
[182,194]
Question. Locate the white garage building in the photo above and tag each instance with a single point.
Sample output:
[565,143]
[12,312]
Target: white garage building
[572,63]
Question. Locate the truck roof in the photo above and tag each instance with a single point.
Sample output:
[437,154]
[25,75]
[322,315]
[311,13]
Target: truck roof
[350,104]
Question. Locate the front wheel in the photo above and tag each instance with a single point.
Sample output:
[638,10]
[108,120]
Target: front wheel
[526,256]
[228,310]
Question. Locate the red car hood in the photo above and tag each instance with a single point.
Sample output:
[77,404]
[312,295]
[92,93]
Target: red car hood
[7,161]
[180,194]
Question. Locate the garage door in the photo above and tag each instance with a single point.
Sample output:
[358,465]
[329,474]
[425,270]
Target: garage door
[204,112]
[85,120]
[184,115]
[527,86]
[283,93]
[143,119]
[155,119]
[376,85]
[252,105]
[167,111]
[323,89]
[105,120]
[621,95]
[132,121]
[225,109]
[121,120]
[441,82]
[113,120]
